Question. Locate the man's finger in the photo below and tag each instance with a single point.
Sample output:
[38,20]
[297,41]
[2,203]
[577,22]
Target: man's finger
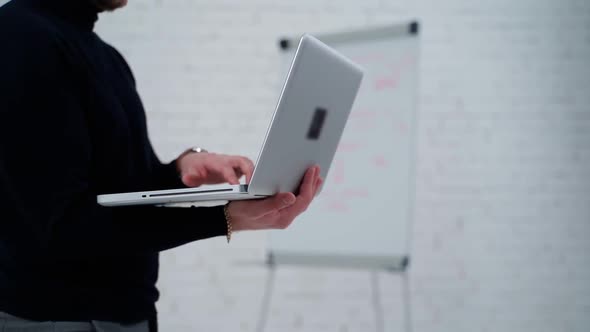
[245,166]
[229,175]
[306,193]
[250,168]
[307,186]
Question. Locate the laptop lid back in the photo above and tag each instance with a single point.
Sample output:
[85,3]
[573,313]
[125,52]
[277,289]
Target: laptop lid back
[308,122]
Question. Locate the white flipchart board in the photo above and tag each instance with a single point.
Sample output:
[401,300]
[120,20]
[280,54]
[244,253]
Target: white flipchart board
[364,214]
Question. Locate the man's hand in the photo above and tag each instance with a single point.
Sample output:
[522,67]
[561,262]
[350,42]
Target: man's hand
[197,169]
[277,212]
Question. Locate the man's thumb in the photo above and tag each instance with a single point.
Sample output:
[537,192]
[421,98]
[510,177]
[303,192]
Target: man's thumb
[191,180]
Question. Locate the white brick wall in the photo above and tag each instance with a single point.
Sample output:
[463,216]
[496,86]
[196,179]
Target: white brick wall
[503,198]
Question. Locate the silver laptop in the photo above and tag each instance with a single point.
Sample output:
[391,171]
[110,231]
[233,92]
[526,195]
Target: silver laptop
[306,127]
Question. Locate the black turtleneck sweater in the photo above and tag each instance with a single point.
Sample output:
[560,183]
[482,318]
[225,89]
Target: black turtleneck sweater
[72,126]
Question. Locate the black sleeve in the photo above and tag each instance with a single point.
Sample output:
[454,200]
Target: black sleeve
[46,197]
[165,176]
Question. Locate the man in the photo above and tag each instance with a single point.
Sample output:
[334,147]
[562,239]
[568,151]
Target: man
[72,126]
